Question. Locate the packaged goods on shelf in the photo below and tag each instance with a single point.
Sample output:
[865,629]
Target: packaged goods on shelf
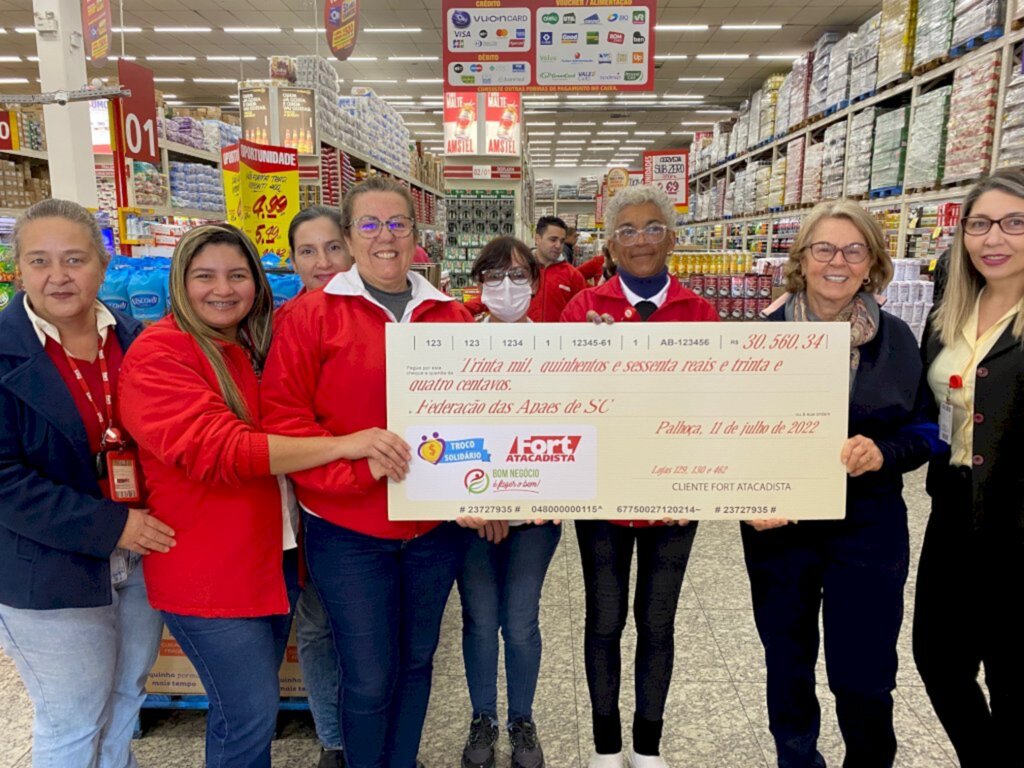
[858,153]
[729,199]
[589,185]
[738,137]
[31,131]
[782,105]
[800,89]
[720,142]
[837,91]
[150,185]
[795,155]
[1011,143]
[106,193]
[543,210]
[973,18]
[22,183]
[586,221]
[972,112]
[740,197]
[543,189]
[568,192]
[810,191]
[474,217]
[816,101]
[763,185]
[926,150]
[777,183]
[569,219]
[833,161]
[187,131]
[769,99]
[318,73]
[724,279]
[890,148]
[198,186]
[909,296]
[374,128]
[217,134]
[755,119]
[931,229]
[934,30]
[896,40]
[864,58]
[719,199]
[1018,11]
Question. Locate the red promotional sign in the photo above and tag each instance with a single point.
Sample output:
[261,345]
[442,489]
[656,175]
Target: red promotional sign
[670,170]
[8,131]
[137,126]
[549,45]
[341,20]
[460,124]
[503,126]
[97,21]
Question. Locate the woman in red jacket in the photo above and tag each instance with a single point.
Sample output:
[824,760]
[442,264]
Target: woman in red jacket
[383,583]
[640,220]
[190,398]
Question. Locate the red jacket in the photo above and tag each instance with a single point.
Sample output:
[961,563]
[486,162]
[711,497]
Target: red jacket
[680,305]
[559,282]
[592,269]
[325,376]
[208,475]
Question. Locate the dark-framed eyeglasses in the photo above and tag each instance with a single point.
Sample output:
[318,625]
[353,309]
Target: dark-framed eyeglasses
[853,253]
[370,226]
[495,277]
[980,225]
[652,233]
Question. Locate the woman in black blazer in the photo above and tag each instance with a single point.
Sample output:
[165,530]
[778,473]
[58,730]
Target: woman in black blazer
[73,609]
[970,582]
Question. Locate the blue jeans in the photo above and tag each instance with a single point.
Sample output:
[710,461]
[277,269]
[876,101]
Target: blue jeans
[85,670]
[384,599]
[500,586]
[321,670]
[238,661]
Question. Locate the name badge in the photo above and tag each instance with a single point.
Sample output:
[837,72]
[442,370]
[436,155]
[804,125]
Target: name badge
[946,423]
[123,476]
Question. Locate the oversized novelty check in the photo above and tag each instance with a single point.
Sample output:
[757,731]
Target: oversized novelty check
[633,420]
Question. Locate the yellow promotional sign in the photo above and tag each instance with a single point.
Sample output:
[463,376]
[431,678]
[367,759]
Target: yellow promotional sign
[229,163]
[269,190]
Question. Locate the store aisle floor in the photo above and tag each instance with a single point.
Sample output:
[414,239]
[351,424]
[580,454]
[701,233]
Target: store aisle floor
[716,715]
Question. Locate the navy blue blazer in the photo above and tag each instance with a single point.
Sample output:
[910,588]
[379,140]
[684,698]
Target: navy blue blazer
[57,532]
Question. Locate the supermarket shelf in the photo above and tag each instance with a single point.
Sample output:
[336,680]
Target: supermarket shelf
[32,154]
[189,213]
[12,213]
[365,159]
[182,149]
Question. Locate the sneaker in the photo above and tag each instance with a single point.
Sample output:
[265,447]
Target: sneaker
[633,760]
[605,761]
[479,749]
[331,758]
[526,751]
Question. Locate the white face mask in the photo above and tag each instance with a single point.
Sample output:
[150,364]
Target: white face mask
[507,302]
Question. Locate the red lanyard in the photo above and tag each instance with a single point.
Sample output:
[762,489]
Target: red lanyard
[108,399]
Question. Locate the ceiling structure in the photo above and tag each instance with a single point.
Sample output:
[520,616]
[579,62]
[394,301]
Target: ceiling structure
[398,54]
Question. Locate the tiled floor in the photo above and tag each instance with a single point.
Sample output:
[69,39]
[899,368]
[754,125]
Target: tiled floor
[716,714]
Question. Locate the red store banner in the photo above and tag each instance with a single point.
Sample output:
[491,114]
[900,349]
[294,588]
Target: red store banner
[97,21]
[503,124]
[460,124]
[341,22]
[670,170]
[542,45]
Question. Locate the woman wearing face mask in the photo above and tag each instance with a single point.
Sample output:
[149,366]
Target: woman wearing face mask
[501,579]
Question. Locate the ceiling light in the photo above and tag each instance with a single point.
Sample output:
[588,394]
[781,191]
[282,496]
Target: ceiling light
[587,96]
[619,122]
[112,58]
[231,58]
[723,55]
[573,141]
[533,124]
[604,149]
[605,141]
[170,95]
[542,133]
[375,81]
[613,133]
[411,112]
[412,58]
[175,103]
[698,122]
[583,123]
[182,30]
[9,59]
[3,31]
[361,58]
[125,30]
[390,30]
[639,141]
[576,133]
[713,111]
[429,133]
[398,98]
[425,80]
[632,97]
[670,56]
[214,80]
[13,80]
[648,133]
[682,133]
[678,96]
[252,30]
[751,26]
[701,79]
[539,141]
[25,30]
[680,27]
[168,79]
[778,57]
[309,30]
[170,58]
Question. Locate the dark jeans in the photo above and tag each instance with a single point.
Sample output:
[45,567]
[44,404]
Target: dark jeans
[500,585]
[854,574]
[607,554]
[968,583]
[237,661]
[384,599]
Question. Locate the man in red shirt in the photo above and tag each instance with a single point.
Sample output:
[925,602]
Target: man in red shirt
[559,280]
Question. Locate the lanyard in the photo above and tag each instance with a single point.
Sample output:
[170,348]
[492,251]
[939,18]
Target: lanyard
[108,400]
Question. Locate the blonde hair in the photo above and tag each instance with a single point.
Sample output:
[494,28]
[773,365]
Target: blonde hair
[880,271]
[254,330]
[54,208]
[964,282]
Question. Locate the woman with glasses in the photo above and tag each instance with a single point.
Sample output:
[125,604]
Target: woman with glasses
[641,222]
[970,580]
[501,579]
[851,571]
[383,583]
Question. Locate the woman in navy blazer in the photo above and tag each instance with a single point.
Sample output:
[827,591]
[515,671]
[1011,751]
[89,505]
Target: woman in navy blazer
[73,609]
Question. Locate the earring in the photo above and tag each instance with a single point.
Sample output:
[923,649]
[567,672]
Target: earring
[866,281]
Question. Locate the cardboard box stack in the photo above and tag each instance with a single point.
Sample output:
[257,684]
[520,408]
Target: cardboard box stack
[318,73]
[755,119]
[926,150]
[864,58]
[858,165]
[373,127]
[837,92]
[810,191]
[972,115]
[896,40]
[794,184]
[819,75]
[890,148]
[769,99]
[974,18]
[934,30]
[22,183]
[1011,143]
[783,103]
[800,89]
[777,183]
[833,161]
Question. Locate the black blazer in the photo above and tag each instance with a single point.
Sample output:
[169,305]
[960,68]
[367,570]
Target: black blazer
[997,474]
[56,530]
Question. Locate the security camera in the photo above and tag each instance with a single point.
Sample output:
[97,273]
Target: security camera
[61,97]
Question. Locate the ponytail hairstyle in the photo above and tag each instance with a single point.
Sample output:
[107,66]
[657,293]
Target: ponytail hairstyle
[254,330]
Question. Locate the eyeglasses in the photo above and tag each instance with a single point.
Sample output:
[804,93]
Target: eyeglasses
[495,277]
[370,226]
[854,253]
[653,233]
[980,225]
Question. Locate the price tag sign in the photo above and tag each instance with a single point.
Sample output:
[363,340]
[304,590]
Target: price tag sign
[138,131]
[481,171]
[8,131]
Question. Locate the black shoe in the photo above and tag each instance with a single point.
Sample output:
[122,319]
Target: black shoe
[526,751]
[331,758]
[479,749]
